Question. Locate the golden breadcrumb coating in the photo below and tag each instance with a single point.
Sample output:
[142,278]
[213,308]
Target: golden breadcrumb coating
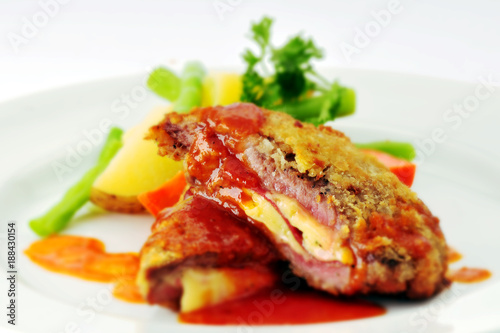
[396,240]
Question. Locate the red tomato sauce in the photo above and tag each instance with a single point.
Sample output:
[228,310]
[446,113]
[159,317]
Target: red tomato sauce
[86,258]
[453,255]
[282,306]
[239,119]
[469,275]
[212,160]
[209,160]
[126,289]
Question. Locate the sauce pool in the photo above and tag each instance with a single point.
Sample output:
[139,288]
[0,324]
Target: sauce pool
[126,289]
[464,274]
[469,275]
[283,306]
[453,255]
[86,258]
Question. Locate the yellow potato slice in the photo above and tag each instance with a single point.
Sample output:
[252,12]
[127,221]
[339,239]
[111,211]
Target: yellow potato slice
[221,88]
[136,168]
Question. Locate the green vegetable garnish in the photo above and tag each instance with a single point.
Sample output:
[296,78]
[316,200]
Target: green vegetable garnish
[59,216]
[165,83]
[293,86]
[186,92]
[191,87]
[402,150]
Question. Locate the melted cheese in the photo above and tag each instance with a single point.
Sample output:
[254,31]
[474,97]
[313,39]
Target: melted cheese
[320,241]
[205,287]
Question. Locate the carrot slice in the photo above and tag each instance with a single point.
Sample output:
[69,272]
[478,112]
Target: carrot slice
[164,196]
[403,169]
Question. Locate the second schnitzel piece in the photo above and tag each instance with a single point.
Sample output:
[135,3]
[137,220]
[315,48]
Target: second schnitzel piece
[344,222]
[198,255]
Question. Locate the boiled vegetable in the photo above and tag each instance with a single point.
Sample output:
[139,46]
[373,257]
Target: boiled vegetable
[164,196]
[402,150]
[59,216]
[403,169]
[137,168]
[191,87]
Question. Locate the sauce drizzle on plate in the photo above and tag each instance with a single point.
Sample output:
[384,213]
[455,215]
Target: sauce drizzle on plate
[283,306]
[468,275]
[453,255]
[464,274]
[86,258]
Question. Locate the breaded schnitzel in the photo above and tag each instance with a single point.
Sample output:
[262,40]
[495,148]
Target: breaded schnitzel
[198,255]
[344,222]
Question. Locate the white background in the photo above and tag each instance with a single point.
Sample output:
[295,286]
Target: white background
[87,39]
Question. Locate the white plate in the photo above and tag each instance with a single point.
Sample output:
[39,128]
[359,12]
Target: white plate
[458,179]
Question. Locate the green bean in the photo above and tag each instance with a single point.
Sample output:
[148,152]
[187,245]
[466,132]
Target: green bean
[58,217]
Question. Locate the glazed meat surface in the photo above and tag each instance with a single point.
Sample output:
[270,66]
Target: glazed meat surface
[382,238]
[195,235]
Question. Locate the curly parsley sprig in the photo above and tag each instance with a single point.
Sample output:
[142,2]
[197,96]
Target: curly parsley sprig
[293,85]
